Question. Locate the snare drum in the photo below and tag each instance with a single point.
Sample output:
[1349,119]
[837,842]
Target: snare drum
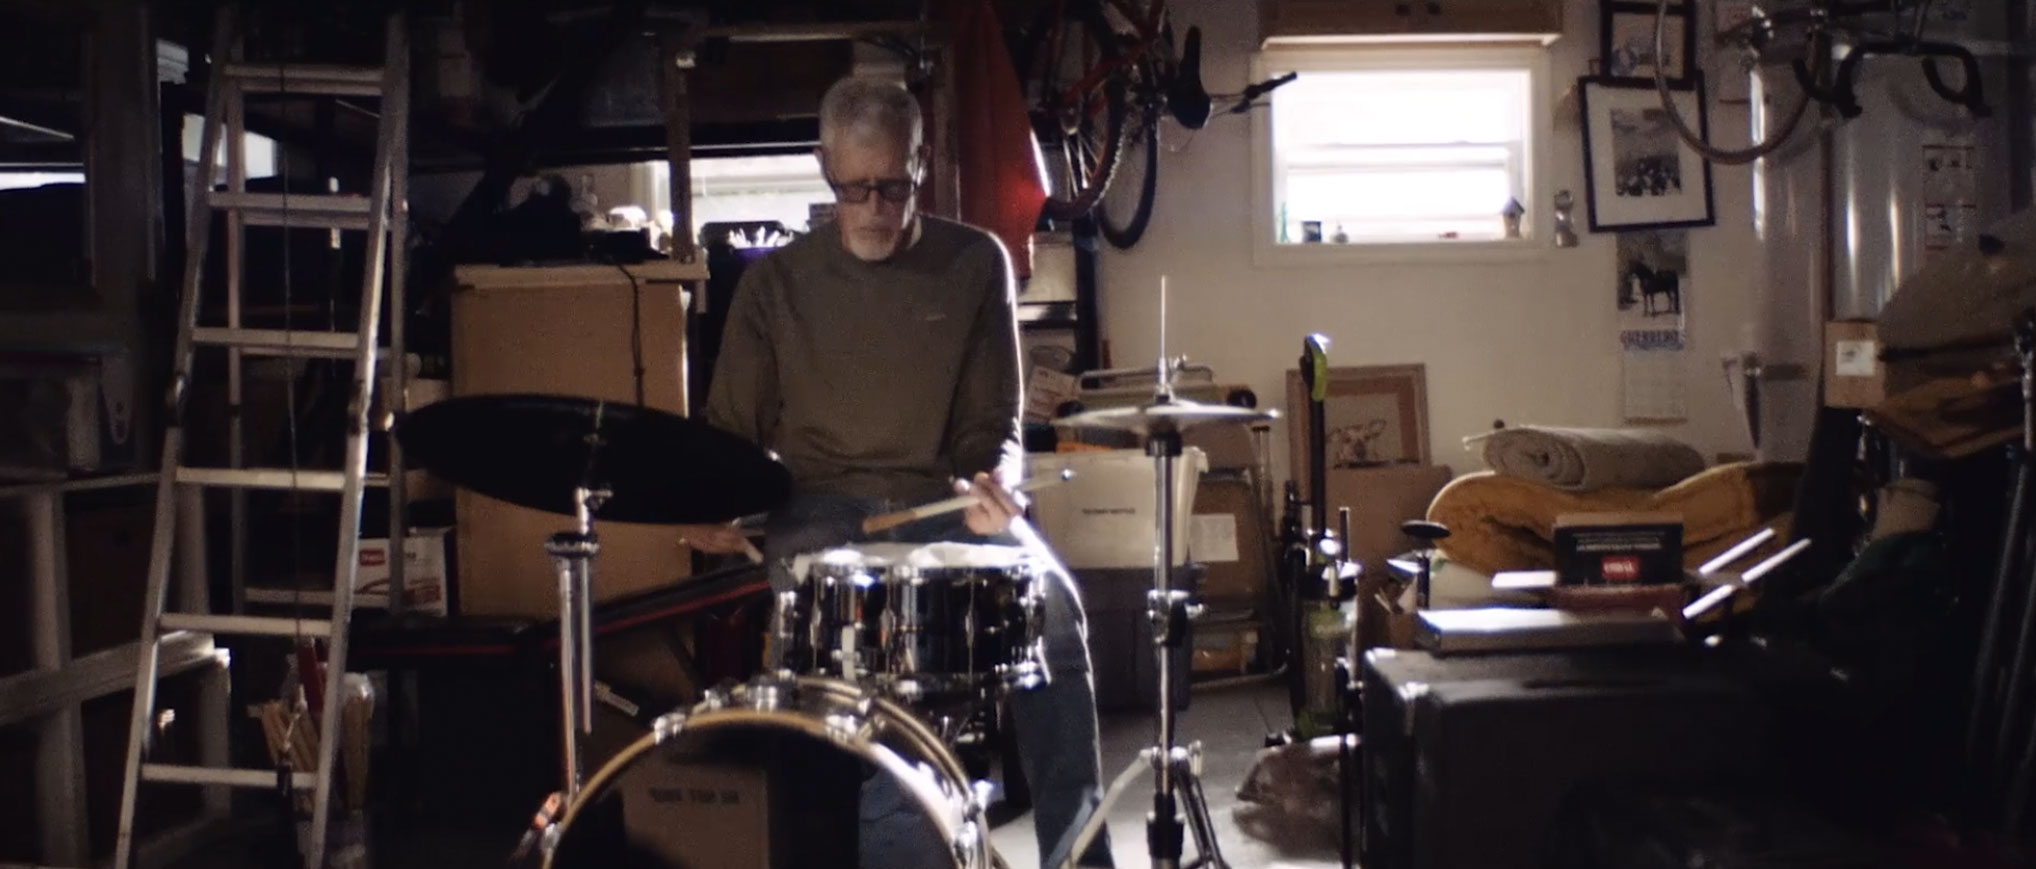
[768,774]
[931,623]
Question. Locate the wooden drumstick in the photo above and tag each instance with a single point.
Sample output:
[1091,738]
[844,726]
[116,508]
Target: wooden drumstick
[888,521]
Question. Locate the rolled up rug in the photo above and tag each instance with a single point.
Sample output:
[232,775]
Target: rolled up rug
[1588,459]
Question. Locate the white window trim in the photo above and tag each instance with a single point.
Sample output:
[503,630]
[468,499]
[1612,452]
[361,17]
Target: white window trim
[1537,225]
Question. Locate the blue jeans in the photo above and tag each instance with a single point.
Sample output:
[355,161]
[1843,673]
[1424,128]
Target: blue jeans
[1055,723]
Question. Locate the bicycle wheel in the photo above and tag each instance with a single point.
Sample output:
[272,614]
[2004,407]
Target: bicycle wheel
[1134,185]
[1081,130]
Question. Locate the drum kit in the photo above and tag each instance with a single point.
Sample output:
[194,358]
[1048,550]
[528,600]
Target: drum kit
[881,657]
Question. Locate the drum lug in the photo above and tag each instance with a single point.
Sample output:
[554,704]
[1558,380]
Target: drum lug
[968,843]
[668,725]
[713,699]
[981,792]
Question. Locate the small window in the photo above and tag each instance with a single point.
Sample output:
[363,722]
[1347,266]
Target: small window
[261,150]
[11,179]
[749,189]
[1392,148]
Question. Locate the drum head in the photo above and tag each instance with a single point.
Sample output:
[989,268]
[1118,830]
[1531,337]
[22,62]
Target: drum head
[811,775]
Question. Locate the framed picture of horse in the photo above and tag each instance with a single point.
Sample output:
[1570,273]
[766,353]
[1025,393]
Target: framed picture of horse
[1653,281]
[1375,416]
[1639,173]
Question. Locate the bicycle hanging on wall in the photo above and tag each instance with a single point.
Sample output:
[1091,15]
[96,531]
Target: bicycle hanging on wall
[1099,76]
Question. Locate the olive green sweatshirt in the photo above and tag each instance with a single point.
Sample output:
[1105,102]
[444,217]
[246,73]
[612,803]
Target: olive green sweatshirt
[878,380]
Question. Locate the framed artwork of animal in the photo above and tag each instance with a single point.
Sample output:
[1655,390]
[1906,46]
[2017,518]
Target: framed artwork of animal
[1375,416]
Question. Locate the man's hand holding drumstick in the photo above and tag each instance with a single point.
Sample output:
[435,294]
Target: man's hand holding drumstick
[986,507]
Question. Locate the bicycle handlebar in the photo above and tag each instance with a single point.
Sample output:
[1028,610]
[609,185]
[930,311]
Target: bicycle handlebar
[1252,93]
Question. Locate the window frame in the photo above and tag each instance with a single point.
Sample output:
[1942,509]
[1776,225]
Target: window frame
[1537,225]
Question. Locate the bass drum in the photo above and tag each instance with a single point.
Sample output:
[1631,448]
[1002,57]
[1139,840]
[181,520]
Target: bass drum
[776,773]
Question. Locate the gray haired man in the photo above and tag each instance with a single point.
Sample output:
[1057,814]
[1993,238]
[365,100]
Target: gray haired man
[878,357]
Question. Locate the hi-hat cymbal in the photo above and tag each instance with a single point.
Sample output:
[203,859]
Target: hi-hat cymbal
[1167,416]
[536,450]
[1966,295]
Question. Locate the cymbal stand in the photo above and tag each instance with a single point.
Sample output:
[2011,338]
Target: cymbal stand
[1176,769]
[2015,540]
[572,553]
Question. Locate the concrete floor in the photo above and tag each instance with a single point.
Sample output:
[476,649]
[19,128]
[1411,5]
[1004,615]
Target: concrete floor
[1231,723]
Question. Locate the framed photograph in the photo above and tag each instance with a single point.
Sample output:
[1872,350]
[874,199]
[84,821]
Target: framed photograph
[1375,416]
[1626,42]
[1638,173]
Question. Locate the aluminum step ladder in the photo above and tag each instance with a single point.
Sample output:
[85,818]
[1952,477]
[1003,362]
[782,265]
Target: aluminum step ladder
[382,215]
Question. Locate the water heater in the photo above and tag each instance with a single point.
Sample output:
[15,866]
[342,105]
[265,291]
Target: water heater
[1852,207]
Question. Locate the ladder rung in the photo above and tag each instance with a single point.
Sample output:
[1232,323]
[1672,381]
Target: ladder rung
[273,478]
[245,626]
[302,210]
[279,342]
[361,81]
[239,778]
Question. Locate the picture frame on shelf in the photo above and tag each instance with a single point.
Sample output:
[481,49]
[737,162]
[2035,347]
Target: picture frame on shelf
[1376,416]
[1638,172]
[1626,41]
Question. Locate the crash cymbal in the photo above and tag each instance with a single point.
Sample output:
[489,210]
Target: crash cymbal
[1968,295]
[1163,416]
[535,450]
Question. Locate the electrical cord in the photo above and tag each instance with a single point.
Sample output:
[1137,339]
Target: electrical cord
[289,377]
[635,330]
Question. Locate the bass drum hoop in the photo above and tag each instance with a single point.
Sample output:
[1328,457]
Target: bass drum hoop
[794,710]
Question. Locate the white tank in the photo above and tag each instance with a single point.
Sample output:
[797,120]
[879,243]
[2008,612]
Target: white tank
[1845,215]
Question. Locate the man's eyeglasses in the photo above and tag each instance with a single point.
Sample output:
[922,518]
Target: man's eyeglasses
[896,191]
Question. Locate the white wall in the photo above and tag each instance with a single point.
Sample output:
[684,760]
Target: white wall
[1530,343]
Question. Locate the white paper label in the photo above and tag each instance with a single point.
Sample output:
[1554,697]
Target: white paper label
[1855,358]
[1212,538]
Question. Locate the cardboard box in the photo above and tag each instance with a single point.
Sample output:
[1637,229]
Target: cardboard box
[1225,650]
[424,571]
[1103,518]
[564,331]
[1853,373]
[1379,500]
[420,484]
[1618,548]
[1232,540]
[1382,622]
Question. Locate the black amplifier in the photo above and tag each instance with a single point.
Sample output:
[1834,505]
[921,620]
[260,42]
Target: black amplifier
[1467,759]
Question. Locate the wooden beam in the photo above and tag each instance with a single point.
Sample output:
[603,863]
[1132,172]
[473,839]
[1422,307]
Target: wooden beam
[36,693]
[814,32]
[675,56]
